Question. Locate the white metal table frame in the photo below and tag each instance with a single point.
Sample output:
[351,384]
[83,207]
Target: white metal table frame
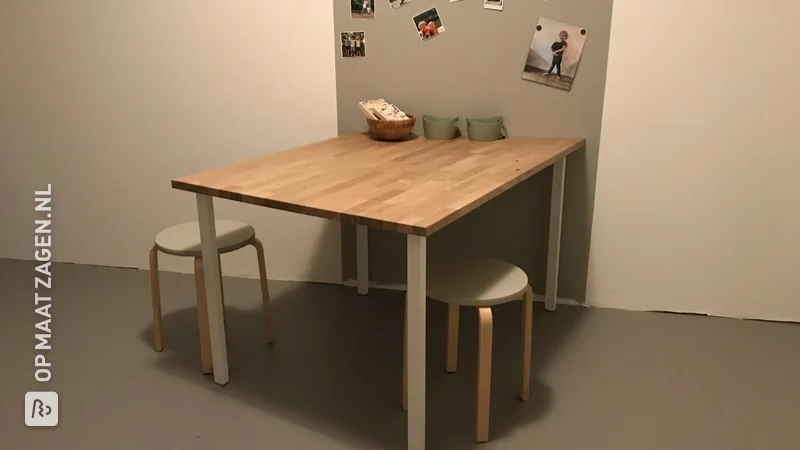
[417,266]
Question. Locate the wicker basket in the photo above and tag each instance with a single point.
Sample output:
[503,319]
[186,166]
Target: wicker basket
[392,130]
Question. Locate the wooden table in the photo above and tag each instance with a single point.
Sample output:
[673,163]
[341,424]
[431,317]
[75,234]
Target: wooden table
[415,187]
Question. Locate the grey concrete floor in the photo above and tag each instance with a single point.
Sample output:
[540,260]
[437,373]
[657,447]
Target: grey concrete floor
[602,379]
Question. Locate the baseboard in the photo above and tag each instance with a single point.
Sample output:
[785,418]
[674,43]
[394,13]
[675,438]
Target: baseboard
[571,302]
[402,287]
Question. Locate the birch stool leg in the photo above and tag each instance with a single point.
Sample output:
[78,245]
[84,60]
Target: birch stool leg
[262,274]
[202,316]
[155,293]
[527,328]
[221,288]
[405,356]
[452,337]
[484,373]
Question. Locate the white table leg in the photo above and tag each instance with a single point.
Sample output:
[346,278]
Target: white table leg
[416,341]
[554,244]
[208,245]
[362,259]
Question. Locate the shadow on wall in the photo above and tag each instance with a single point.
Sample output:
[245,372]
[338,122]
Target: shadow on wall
[336,365]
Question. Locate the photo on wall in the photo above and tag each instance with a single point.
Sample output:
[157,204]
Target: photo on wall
[496,5]
[554,53]
[398,3]
[362,9]
[353,45]
[428,24]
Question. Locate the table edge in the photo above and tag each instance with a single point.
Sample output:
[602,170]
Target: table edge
[424,231]
[302,209]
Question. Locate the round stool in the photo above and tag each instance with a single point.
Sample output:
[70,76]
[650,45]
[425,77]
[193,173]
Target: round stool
[482,283]
[184,240]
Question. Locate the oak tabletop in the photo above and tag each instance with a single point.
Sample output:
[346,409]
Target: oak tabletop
[415,186]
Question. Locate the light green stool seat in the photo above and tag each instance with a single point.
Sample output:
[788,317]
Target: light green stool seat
[476,281]
[184,239]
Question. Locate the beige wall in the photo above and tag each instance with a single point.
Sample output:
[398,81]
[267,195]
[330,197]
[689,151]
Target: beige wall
[697,204]
[109,100]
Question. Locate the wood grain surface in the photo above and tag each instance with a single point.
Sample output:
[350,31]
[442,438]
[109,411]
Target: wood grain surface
[415,186]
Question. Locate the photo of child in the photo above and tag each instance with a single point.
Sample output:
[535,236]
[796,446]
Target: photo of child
[362,9]
[428,24]
[556,46]
[353,45]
